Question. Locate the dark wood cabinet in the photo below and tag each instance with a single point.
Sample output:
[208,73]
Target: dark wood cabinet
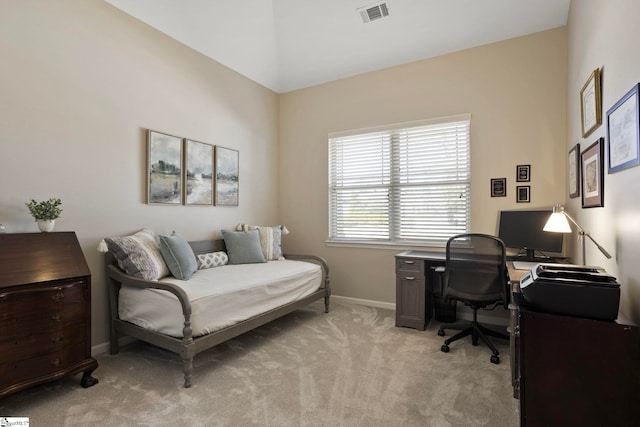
[575,371]
[414,287]
[45,310]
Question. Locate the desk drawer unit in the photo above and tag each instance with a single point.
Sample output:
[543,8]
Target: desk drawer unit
[411,295]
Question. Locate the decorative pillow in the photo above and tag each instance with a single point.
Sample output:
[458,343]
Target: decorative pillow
[270,239]
[212,259]
[138,255]
[179,256]
[243,247]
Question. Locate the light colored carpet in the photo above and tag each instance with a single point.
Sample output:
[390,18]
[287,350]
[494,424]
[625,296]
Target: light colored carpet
[351,367]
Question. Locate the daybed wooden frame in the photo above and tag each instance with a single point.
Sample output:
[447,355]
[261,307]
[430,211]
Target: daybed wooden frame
[188,346]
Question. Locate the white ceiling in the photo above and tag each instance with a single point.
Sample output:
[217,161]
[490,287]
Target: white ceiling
[290,44]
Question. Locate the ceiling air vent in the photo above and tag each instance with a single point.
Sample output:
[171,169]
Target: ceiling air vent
[374,12]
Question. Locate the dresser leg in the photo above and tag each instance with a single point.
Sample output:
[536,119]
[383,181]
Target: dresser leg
[87,380]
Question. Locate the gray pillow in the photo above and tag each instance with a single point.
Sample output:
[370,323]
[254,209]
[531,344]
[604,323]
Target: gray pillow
[179,256]
[139,255]
[243,247]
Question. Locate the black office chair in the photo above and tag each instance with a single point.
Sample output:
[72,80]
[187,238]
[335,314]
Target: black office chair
[475,274]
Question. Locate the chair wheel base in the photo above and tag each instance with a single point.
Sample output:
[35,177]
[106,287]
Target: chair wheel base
[444,348]
[440,333]
[495,359]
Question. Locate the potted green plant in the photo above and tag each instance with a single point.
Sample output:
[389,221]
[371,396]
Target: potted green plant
[45,213]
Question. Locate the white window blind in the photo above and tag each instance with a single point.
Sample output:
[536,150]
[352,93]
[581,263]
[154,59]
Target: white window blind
[407,184]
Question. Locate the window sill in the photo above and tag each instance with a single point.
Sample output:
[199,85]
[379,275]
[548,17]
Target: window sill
[383,245]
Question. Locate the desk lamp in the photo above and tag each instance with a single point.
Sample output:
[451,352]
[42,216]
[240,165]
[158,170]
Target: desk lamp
[557,223]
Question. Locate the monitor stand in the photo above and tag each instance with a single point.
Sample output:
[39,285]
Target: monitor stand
[530,256]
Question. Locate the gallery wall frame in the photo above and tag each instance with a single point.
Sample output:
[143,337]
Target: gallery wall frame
[574,171]
[523,194]
[498,187]
[164,168]
[592,171]
[227,176]
[523,173]
[591,103]
[198,173]
[623,132]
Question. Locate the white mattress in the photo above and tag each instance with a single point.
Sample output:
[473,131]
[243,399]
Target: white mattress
[220,296]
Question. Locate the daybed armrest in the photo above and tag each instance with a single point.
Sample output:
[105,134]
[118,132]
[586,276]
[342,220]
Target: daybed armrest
[325,273]
[316,260]
[118,278]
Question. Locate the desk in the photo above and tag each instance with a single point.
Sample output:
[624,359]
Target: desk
[571,370]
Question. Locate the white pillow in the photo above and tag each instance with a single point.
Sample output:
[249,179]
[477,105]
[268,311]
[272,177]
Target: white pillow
[212,259]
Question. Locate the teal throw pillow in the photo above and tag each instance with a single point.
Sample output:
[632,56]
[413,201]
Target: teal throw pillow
[243,247]
[179,256]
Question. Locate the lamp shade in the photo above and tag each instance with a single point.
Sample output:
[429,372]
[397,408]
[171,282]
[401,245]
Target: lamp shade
[557,223]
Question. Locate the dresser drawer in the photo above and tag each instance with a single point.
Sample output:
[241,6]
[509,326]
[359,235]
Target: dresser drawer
[26,346]
[30,302]
[21,370]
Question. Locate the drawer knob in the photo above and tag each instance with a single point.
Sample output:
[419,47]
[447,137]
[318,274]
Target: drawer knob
[55,362]
[410,278]
[56,339]
[409,262]
[56,317]
[57,297]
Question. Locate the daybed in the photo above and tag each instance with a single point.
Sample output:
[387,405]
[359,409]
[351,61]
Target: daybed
[178,316]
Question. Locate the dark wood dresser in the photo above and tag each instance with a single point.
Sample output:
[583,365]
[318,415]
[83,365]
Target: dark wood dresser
[45,310]
[573,371]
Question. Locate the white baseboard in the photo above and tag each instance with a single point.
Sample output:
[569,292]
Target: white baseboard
[366,302]
[103,348]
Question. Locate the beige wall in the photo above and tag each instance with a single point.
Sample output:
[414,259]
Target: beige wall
[604,34]
[80,82]
[515,91]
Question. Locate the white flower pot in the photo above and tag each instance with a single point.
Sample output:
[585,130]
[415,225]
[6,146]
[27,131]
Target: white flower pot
[46,225]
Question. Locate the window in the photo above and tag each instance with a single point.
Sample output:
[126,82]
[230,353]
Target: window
[407,184]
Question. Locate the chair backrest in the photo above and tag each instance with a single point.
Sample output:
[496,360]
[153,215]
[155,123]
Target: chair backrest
[476,269]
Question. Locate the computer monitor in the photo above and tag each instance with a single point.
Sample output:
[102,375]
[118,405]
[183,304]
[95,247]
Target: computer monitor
[522,230]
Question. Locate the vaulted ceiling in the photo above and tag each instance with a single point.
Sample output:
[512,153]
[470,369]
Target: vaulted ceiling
[290,44]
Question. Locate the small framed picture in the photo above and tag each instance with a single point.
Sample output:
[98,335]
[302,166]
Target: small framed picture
[523,193]
[623,132]
[523,173]
[498,187]
[590,104]
[574,171]
[593,175]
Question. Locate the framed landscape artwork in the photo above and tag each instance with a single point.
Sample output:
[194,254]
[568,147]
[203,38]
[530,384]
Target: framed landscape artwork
[227,180]
[593,175]
[164,168]
[198,167]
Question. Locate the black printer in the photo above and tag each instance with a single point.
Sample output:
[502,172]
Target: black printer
[575,290]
